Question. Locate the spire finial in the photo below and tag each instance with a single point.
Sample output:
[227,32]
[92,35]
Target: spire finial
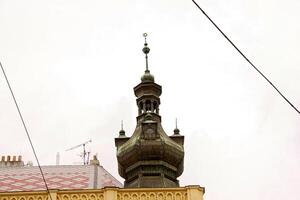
[122,132]
[145,36]
[176,130]
[146,50]
[147,77]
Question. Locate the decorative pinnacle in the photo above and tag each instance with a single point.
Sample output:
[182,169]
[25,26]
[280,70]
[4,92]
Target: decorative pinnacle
[146,50]
[121,132]
[176,130]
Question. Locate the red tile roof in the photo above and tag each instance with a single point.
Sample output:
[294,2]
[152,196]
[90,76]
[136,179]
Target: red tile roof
[28,178]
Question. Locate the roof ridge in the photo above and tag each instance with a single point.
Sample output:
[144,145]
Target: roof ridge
[110,175]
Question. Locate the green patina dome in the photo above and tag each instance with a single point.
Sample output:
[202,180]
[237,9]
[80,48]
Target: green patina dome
[147,77]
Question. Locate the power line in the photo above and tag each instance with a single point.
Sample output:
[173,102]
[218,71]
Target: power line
[26,130]
[227,38]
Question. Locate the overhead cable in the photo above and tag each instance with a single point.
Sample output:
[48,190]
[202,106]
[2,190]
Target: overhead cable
[243,55]
[26,130]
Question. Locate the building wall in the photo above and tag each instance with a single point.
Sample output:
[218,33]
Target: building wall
[182,193]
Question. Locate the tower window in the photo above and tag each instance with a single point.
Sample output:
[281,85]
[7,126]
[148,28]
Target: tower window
[155,106]
[141,108]
[148,105]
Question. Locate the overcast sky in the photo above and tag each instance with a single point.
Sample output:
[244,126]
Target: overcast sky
[73,65]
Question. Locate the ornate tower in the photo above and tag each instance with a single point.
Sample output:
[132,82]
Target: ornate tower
[149,158]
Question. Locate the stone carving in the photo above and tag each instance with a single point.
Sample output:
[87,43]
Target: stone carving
[178,195]
[24,197]
[81,196]
[149,131]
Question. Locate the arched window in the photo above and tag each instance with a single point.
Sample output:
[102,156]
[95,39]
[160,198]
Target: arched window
[148,105]
[155,106]
[141,108]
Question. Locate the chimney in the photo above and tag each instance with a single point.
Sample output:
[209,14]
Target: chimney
[95,161]
[11,163]
[57,158]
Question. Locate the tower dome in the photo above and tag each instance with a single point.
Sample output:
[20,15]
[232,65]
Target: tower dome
[147,77]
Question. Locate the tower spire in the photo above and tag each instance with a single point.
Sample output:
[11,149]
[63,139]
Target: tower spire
[147,77]
[146,50]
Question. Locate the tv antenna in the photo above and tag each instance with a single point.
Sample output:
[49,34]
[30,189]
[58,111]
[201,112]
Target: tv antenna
[85,155]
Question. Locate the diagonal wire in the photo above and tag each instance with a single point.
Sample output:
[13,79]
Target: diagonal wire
[227,38]
[26,130]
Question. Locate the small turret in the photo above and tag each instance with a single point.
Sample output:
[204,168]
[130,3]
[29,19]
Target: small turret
[122,132]
[176,130]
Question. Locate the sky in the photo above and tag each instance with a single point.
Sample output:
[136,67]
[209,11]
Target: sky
[73,64]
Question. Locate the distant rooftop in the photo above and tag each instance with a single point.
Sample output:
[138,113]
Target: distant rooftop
[28,178]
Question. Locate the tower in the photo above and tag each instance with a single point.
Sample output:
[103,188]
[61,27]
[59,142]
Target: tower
[149,158]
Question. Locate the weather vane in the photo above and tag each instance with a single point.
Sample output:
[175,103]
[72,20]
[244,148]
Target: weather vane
[145,36]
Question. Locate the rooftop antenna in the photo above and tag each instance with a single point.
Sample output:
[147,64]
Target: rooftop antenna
[85,154]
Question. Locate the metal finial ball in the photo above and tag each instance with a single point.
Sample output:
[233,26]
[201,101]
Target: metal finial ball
[146,50]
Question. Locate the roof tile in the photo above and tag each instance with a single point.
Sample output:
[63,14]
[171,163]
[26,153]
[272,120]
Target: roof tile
[28,178]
